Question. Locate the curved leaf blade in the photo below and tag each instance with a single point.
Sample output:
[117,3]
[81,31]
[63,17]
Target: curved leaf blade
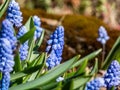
[52,74]
[3,7]
[31,29]
[113,54]
[88,57]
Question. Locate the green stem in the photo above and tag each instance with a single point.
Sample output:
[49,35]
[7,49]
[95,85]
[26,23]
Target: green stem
[103,54]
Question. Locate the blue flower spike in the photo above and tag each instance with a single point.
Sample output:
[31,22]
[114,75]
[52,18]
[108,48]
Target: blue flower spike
[55,47]
[23,50]
[6,56]
[38,30]
[5,81]
[95,84]
[6,63]
[7,32]
[112,76]
[14,14]
[103,36]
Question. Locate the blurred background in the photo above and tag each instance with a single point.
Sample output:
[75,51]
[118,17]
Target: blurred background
[107,10]
[81,20]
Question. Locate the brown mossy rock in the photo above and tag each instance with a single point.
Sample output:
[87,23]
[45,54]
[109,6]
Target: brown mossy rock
[80,32]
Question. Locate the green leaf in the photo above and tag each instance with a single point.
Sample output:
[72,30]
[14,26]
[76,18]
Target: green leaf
[82,67]
[112,88]
[30,23]
[3,7]
[48,86]
[69,75]
[113,54]
[82,87]
[40,70]
[31,29]
[18,65]
[25,72]
[39,41]
[80,81]
[31,45]
[0,75]
[58,87]
[88,57]
[40,60]
[95,68]
[52,74]
[68,85]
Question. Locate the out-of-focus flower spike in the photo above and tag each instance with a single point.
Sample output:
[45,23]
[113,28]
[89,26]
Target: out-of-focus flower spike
[38,30]
[23,50]
[103,36]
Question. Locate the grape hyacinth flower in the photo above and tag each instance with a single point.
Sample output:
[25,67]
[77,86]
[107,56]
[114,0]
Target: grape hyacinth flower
[38,30]
[14,14]
[112,76]
[103,36]
[95,84]
[6,56]
[23,50]
[55,47]
[6,63]
[5,81]
[7,32]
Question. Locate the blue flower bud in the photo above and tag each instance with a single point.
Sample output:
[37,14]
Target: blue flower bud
[103,36]
[55,47]
[38,30]
[7,32]
[23,50]
[14,14]
[95,84]
[112,76]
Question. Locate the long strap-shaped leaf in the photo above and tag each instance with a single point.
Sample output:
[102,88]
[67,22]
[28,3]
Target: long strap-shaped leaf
[52,74]
[88,57]
[3,7]
[114,54]
[34,66]
[31,29]
[78,82]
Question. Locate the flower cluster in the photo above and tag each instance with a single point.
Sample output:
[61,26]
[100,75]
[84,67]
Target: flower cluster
[24,47]
[6,63]
[95,84]
[112,76]
[37,24]
[6,56]
[55,47]
[8,32]
[5,81]
[14,14]
[103,36]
